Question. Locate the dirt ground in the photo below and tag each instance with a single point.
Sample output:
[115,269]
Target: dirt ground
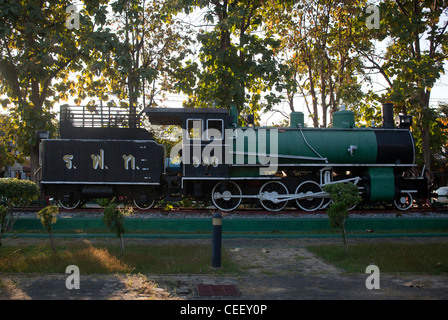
[281,269]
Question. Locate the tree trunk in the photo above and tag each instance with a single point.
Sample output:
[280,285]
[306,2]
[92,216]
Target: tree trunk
[52,241]
[122,243]
[34,164]
[344,236]
[314,99]
[426,147]
[425,128]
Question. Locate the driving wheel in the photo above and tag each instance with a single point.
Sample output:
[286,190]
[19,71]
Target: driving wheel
[269,193]
[226,195]
[309,203]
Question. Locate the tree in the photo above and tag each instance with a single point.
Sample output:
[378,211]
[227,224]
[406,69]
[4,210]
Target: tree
[443,125]
[48,217]
[439,142]
[319,39]
[417,47]
[148,48]
[38,52]
[114,219]
[8,155]
[343,197]
[237,61]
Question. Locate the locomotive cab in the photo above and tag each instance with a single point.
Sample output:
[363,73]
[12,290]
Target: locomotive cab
[199,156]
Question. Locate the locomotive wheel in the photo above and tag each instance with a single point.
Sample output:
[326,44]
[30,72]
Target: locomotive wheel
[69,204]
[144,205]
[271,190]
[404,201]
[309,203]
[222,195]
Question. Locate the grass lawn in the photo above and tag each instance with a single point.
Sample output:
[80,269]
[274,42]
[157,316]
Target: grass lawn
[426,258]
[157,259]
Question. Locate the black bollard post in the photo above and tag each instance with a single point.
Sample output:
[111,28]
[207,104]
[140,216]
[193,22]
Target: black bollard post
[216,240]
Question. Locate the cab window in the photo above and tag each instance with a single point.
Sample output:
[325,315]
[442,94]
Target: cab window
[215,129]
[194,129]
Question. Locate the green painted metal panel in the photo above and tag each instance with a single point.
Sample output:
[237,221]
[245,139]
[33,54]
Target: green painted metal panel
[200,225]
[292,145]
[231,235]
[343,119]
[382,185]
[335,144]
[296,119]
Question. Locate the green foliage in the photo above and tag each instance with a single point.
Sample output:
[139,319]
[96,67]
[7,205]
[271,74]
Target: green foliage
[3,221]
[434,121]
[37,55]
[146,48]
[237,61]
[15,192]
[8,154]
[320,59]
[413,62]
[3,213]
[114,219]
[343,197]
[103,202]
[248,53]
[48,217]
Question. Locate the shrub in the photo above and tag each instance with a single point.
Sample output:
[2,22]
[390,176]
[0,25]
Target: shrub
[343,197]
[47,217]
[3,223]
[114,219]
[13,193]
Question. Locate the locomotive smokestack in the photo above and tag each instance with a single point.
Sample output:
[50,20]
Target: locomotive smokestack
[388,115]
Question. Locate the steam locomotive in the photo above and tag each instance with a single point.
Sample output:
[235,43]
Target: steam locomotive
[227,164]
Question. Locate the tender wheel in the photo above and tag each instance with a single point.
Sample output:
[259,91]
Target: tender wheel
[404,202]
[222,195]
[309,203]
[269,192]
[144,205]
[69,204]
